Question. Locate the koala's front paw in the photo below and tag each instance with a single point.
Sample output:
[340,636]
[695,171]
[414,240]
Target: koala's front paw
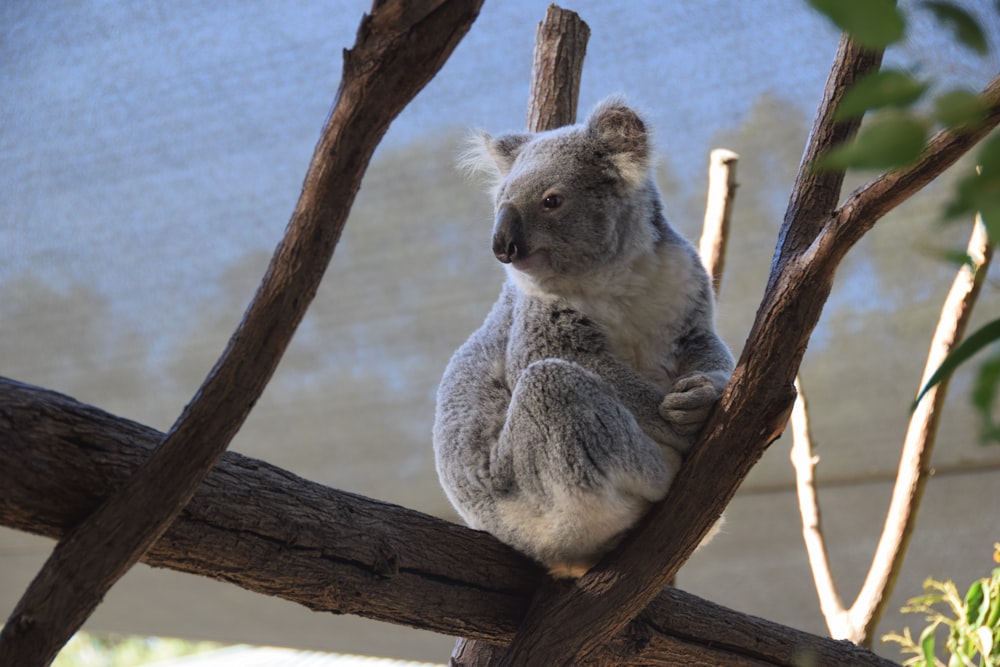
[687,406]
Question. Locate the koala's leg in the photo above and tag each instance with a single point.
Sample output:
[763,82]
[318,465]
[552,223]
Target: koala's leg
[581,470]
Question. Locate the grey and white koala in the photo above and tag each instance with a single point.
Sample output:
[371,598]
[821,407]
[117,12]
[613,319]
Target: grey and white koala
[568,412]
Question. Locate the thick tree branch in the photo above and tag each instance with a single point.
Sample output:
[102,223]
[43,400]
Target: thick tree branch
[755,407]
[564,627]
[399,47]
[266,530]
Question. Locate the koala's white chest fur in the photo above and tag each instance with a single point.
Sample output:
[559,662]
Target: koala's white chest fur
[639,306]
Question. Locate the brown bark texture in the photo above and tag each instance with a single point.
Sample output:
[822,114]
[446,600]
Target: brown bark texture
[564,626]
[268,531]
[399,47]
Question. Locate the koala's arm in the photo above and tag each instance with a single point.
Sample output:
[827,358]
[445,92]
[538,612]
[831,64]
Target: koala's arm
[571,336]
[704,365]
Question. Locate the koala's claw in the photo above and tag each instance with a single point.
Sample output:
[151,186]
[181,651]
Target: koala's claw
[689,403]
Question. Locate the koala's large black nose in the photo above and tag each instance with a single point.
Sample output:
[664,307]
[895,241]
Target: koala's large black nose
[508,235]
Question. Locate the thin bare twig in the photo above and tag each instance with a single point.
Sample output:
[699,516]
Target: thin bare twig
[399,48]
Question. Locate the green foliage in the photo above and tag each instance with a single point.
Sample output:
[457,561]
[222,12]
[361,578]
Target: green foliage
[872,23]
[967,30]
[895,137]
[973,623]
[890,139]
[885,88]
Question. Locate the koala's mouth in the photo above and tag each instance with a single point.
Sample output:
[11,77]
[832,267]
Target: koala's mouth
[537,260]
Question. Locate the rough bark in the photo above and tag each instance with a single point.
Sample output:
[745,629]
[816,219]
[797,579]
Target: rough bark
[399,47]
[264,529]
[720,201]
[556,69]
[565,626]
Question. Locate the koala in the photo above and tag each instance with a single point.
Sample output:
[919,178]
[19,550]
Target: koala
[568,412]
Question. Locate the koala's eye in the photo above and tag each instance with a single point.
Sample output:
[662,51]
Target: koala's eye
[552,202]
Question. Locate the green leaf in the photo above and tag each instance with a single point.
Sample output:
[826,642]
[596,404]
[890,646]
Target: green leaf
[887,88]
[959,107]
[974,342]
[889,140]
[975,610]
[872,23]
[980,192]
[927,641]
[967,30]
[984,393]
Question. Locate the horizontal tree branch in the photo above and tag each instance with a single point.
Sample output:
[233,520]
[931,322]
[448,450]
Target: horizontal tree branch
[266,530]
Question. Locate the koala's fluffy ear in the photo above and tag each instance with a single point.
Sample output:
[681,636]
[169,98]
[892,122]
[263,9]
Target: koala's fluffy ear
[493,155]
[620,129]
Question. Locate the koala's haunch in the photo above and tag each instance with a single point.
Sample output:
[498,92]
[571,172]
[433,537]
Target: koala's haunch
[568,412]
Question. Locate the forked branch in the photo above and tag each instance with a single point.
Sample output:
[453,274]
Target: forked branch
[563,627]
[858,623]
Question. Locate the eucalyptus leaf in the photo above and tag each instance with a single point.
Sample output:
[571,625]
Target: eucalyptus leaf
[885,88]
[887,141]
[965,26]
[960,107]
[973,343]
[927,641]
[984,394]
[872,23]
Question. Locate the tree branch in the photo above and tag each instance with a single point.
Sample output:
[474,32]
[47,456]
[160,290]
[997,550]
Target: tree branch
[718,213]
[565,626]
[804,462]
[858,623]
[915,461]
[556,69]
[399,47]
[266,530]
[755,407]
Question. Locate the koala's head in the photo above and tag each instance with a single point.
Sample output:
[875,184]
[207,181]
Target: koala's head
[574,200]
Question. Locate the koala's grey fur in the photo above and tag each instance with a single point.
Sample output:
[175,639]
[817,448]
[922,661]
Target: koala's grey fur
[568,412]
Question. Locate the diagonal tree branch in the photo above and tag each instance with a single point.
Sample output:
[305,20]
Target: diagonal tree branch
[264,529]
[399,47]
[563,627]
[804,460]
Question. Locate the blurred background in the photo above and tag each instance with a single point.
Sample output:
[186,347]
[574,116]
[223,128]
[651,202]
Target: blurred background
[151,154]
